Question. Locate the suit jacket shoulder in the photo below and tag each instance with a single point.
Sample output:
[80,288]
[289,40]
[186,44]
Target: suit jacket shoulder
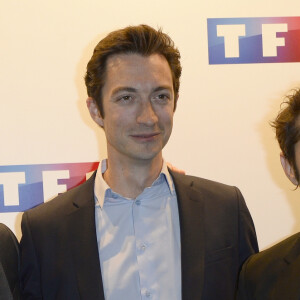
[203,185]
[273,273]
[216,196]
[9,264]
[56,209]
[207,187]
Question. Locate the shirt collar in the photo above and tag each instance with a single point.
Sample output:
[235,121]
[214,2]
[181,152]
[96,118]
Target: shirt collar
[101,186]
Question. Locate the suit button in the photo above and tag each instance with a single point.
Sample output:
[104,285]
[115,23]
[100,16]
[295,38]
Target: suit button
[148,294]
[143,247]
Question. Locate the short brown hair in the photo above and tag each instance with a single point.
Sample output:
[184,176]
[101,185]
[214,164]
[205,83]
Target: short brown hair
[287,128]
[141,39]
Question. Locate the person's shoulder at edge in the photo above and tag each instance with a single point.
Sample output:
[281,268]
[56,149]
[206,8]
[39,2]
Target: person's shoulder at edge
[65,200]
[264,260]
[261,269]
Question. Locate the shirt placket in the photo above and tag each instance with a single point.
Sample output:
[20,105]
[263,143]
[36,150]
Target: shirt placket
[142,248]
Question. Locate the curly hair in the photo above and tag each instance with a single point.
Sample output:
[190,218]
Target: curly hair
[143,40]
[287,128]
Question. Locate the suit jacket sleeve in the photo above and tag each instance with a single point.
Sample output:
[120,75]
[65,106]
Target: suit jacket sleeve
[246,240]
[228,228]
[9,264]
[242,293]
[30,274]
[247,236]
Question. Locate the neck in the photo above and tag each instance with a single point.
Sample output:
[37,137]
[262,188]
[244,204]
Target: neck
[130,177]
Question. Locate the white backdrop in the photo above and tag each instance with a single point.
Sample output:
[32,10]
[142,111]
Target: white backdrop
[221,127]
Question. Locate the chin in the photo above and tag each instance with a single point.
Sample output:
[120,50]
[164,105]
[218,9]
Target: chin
[145,155]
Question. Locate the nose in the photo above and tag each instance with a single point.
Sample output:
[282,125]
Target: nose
[147,114]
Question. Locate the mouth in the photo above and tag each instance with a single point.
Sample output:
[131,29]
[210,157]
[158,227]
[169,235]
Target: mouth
[145,137]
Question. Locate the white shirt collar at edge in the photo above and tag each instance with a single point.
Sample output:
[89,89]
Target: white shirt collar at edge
[101,186]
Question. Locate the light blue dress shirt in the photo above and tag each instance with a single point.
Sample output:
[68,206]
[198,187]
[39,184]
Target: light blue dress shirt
[139,241]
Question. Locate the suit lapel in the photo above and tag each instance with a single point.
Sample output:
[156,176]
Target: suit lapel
[191,209]
[81,229]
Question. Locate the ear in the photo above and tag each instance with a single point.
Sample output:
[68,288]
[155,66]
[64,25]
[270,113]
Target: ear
[288,169]
[94,111]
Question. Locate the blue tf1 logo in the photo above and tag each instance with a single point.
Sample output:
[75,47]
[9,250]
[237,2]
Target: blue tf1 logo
[26,186]
[253,40]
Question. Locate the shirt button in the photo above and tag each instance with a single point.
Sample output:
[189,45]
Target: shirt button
[138,202]
[148,294]
[143,247]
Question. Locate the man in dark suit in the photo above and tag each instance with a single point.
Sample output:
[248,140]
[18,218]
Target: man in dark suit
[275,273]
[135,229]
[9,265]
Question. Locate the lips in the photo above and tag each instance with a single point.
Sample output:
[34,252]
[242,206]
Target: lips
[145,136]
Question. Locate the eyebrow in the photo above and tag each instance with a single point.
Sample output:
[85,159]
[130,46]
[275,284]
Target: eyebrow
[133,90]
[123,89]
[161,88]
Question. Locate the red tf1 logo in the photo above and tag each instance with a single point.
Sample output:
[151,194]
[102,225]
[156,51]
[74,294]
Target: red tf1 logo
[253,40]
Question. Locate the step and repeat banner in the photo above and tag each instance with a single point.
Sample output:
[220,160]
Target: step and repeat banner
[239,59]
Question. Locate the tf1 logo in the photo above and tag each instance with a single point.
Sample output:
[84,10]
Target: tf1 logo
[26,186]
[253,40]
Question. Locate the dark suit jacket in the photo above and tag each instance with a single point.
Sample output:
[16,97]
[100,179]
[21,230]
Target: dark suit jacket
[9,265]
[273,273]
[60,251]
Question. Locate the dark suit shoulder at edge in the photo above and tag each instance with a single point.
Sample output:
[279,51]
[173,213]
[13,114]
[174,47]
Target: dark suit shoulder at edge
[8,238]
[268,256]
[5,231]
[65,199]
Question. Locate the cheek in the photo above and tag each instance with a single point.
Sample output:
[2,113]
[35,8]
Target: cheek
[166,117]
[119,125]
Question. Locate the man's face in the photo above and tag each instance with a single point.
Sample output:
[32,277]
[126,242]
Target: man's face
[138,104]
[288,168]
[297,158]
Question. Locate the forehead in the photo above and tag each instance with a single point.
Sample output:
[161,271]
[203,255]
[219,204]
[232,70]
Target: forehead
[135,59]
[130,68]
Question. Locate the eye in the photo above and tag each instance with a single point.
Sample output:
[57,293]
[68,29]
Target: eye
[162,98]
[125,98]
